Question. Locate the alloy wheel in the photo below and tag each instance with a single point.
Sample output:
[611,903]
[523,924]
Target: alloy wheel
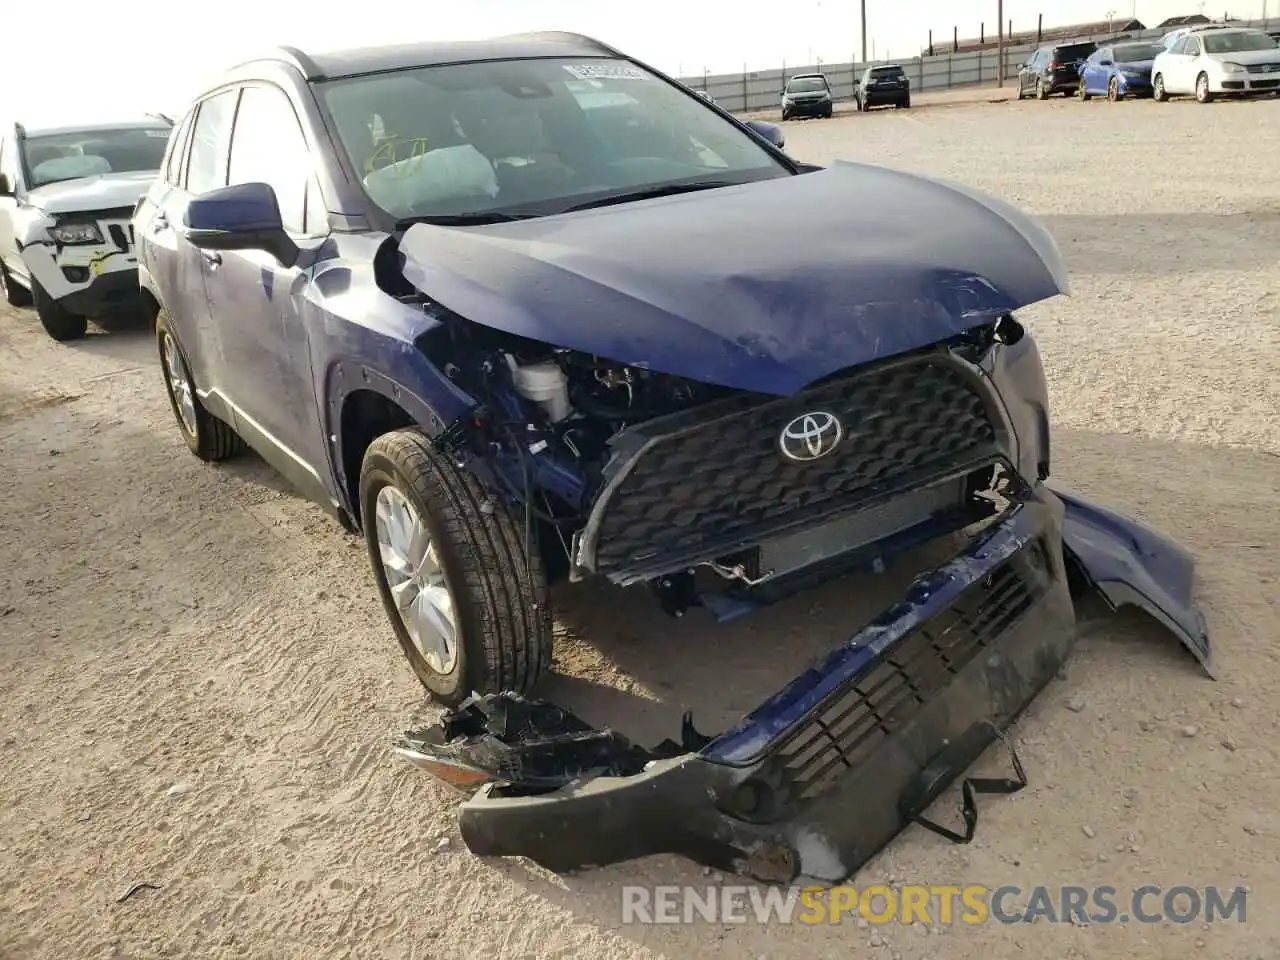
[416,578]
[179,384]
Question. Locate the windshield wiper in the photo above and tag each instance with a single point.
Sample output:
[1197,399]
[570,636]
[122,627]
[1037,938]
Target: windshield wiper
[475,218]
[649,193]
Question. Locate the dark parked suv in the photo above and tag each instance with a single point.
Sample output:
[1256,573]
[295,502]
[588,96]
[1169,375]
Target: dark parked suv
[526,308]
[806,95]
[883,86]
[1054,69]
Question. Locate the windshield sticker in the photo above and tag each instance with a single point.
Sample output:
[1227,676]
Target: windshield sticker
[605,71]
[158,134]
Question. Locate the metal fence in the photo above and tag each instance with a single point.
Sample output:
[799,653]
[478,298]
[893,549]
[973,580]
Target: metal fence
[760,90]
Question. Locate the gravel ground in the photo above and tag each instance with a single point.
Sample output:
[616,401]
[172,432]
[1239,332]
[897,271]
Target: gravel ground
[199,685]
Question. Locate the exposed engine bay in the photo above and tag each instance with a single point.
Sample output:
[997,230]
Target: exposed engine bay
[558,430]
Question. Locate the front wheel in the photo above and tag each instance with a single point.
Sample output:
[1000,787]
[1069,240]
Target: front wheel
[1042,92]
[1158,92]
[1202,89]
[465,592]
[59,322]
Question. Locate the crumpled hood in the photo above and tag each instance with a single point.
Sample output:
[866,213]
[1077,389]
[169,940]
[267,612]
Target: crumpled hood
[766,286]
[92,193]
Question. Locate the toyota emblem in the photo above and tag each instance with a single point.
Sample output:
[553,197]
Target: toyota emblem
[810,436]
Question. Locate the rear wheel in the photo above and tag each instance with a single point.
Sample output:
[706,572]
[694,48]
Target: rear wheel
[1113,91]
[1084,93]
[1202,89]
[14,295]
[59,322]
[465,593]
[1158,92]
[206,436]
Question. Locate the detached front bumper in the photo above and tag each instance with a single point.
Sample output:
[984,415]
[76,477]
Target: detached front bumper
[89,280]
[823,774]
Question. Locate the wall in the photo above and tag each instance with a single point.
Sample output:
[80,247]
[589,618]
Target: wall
[760,90]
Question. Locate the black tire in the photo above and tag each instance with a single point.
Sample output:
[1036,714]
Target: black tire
[14,295]
[58,322]
[499,594]
[1041,92]
[1113,91]
[1085,95]
[785,116]
[212,439]
[1202,89]
[1158,93]
[906,104]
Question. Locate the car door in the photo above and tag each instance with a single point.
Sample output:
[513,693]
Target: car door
[1092,73]
[1189,64]
[155,240]
[179,267]
[257,302]
[1176,67]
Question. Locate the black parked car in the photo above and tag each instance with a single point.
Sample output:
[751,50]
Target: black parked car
[882,86]
[806,95]
[1054,69]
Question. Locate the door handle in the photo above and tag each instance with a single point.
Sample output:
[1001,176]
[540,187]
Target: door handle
[211,257]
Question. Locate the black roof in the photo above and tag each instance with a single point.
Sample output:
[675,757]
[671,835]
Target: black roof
[365,60]
[1184,21]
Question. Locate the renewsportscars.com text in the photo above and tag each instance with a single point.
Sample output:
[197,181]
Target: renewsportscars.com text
[971,904]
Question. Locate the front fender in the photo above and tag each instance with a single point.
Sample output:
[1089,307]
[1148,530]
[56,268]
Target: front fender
[1130,564]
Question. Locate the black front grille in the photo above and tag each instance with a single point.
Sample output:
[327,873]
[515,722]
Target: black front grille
[1264,67]
[713,480]
[1266,84]
[848,727]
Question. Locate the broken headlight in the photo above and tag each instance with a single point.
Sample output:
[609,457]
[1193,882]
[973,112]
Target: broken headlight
[71,233]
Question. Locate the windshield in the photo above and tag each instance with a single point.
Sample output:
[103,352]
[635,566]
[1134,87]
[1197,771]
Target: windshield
[531,137]
[807,85]
[1136,52]
[886,71]
[1237,42]
[89,153]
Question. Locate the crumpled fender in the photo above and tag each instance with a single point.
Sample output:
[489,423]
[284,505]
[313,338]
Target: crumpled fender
[1129,563]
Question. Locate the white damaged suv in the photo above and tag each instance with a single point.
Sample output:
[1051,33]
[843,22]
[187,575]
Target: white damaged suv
[66,197]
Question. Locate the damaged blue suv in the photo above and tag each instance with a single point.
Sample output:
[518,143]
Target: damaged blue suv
[526,308]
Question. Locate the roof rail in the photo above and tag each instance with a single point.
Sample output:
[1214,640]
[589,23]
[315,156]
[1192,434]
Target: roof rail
[293,57]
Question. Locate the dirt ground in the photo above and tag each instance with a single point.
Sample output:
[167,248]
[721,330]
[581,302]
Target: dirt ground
[198,685]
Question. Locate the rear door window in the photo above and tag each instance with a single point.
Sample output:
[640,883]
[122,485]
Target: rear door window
[207,168]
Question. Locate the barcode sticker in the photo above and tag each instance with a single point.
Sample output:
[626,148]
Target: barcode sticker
[606,71]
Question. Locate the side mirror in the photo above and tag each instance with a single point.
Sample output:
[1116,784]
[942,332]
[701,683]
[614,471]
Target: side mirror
[243,217]
[6,188]
[770,131]
[1104,63]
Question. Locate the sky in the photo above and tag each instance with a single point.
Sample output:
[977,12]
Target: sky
[135,56]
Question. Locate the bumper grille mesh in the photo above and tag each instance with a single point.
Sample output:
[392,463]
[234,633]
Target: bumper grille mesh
[721,482]
[855,720]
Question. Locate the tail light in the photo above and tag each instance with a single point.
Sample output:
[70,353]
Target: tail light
[1056,64]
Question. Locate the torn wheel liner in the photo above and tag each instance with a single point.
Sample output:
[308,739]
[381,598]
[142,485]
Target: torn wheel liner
[821,776]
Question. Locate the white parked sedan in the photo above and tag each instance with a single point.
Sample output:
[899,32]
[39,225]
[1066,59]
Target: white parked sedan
[1211,63]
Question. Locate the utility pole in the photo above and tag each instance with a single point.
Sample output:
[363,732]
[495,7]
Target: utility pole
[864,31]
[999,43]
